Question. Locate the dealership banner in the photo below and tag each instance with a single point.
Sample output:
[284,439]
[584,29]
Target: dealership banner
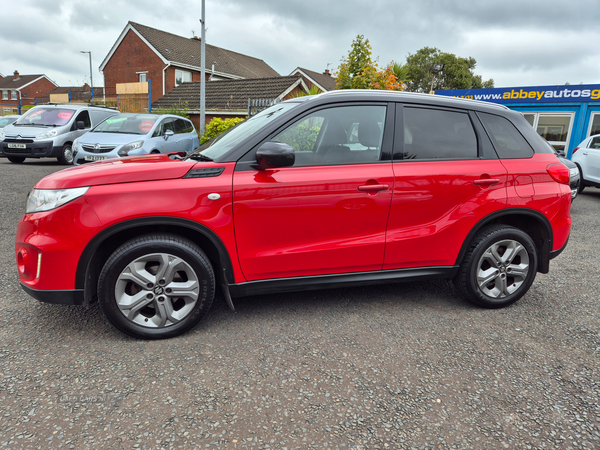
[530,94]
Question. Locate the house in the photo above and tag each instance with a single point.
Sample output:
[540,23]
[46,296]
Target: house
[142,53]
[74,94]
[19,90]
[324,81]
[229,98]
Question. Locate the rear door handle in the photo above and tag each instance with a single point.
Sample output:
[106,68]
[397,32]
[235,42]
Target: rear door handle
[486,181]
[373,187]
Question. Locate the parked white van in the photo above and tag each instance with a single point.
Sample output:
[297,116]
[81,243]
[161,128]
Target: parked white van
[48,131]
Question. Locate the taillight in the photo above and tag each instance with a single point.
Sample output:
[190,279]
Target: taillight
[574,150]
[559,172]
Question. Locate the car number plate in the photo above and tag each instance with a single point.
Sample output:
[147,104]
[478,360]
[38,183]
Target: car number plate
[94,157]
[17,146]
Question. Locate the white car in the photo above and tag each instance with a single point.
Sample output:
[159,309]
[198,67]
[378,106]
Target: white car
[587,157]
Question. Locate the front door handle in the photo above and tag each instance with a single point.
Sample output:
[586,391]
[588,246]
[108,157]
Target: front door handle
[373,187]
[486,181]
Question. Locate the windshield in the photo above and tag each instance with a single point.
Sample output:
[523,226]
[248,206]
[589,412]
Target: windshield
[7,121]
[46,117]
[127,124]
[226,141]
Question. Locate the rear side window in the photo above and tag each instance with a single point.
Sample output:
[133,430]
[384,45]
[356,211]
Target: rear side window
[595,143]
[437,134]
[507,140]
[183,126]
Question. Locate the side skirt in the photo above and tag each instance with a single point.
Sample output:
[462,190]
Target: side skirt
[340,280]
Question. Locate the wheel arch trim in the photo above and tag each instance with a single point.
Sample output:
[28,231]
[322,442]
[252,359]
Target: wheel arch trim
[87,256]
[544,248]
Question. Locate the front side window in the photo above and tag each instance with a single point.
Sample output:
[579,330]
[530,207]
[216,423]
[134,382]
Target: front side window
[436,134]
[182,76]
[342,135]
[84,117]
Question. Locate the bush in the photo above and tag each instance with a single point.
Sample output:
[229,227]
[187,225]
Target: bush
[217,126]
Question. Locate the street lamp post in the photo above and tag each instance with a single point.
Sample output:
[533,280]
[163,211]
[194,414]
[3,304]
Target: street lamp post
[437,68]
[91,79]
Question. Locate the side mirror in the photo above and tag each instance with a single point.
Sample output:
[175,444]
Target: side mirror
[168,134]
[274,154]
[80,125]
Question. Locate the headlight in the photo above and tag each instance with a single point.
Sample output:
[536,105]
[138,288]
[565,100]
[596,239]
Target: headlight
[1,135]
[124,151]
[47,134]
[40,200]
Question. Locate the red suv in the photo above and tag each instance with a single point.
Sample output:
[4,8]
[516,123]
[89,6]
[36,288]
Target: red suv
[344,188]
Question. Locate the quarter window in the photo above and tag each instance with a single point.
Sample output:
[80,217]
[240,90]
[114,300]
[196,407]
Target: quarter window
[508,142]
[343,135]
[436,134]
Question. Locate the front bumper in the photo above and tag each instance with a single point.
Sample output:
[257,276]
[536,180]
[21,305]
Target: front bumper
[42,149]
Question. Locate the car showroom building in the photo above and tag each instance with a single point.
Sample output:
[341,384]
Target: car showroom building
[564,115]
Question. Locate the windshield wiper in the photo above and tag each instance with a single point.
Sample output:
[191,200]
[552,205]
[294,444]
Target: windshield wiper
[198,156]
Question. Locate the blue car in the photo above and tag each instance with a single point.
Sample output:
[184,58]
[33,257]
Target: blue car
[131,134]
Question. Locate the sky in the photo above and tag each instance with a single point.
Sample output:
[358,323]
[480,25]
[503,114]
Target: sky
[515,42]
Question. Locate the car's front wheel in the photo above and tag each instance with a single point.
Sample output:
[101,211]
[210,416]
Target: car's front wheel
[66,154]
[499,267]
[156,286]
[16,159]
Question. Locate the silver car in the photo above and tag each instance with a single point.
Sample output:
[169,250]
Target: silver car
[131,134]
[48,131]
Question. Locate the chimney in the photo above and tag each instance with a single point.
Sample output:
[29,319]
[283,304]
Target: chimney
[17,76]
[327,72]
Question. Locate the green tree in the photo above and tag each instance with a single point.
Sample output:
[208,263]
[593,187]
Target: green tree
[357,70]
[457,72]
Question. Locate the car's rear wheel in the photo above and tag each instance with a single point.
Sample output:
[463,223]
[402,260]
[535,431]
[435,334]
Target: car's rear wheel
[581,186]
[16,159]
[499,267]
[156,286]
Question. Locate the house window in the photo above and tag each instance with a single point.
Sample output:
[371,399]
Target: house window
[4,95]
[142,77]
[182,76]
[13,95]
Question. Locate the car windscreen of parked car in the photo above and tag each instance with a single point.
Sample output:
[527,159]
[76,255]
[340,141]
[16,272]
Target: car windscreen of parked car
[128,124]
[4,121]
[226,141]
[46,117]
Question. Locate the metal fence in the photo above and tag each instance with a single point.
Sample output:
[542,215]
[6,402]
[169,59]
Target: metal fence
[256,105]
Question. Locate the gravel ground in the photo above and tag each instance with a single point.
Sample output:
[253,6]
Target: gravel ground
[386,367]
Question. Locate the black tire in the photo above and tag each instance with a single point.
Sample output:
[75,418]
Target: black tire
[160,313]
[500,285]
[581,186]
[16,159]
[66,155]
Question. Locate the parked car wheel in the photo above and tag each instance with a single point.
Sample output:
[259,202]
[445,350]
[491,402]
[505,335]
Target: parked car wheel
[16,159]
[156,286]
[66,156]
[499,267]
[581,186]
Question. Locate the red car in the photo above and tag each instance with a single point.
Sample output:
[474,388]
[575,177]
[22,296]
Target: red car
[344,188]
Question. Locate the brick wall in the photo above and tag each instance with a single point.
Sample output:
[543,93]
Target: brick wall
[132,56]
[39,89]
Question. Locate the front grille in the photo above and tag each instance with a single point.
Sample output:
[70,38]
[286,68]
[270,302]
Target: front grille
[101,148]
[18,141]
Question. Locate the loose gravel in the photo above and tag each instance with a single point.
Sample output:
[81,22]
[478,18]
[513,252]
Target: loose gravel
[403,366]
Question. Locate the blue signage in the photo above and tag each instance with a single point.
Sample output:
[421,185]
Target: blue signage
[530,94]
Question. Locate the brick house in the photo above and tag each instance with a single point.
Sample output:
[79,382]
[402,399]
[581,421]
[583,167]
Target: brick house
[19,90]
[324,81]
[142,53]
[229,98]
